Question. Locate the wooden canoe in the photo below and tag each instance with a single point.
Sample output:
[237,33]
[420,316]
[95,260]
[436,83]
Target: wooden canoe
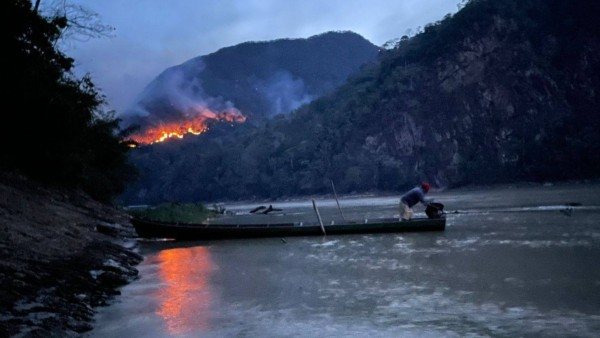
[184,231]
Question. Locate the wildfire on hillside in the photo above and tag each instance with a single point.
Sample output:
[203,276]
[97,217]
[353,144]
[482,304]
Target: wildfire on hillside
[195,124]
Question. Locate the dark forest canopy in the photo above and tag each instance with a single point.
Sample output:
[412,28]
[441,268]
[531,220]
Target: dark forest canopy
[55,130]
[501,91]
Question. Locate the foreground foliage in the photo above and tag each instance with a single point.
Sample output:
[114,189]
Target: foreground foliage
[56,130]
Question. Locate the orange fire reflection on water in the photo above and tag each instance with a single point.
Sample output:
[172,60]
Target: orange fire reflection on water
[186,295]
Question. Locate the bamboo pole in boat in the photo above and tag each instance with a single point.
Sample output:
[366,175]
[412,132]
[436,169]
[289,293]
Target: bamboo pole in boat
[338,202]
[319,217]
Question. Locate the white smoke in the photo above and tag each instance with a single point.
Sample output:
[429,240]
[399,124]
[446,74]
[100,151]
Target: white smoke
[177,94]
[284,93]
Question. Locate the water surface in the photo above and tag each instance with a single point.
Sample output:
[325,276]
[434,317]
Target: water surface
[513,262]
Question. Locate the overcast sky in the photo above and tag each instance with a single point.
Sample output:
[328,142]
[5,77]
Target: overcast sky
[152,35]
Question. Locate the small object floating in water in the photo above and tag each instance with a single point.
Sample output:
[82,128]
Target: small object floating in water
[257,209]
[264,210]
[269,209]
[567,211]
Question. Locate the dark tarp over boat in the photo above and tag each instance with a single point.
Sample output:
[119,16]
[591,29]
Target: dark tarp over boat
[203,231]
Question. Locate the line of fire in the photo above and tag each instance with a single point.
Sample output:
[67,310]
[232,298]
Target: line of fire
[195,125]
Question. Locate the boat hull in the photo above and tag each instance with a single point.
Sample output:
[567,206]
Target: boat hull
[182,231]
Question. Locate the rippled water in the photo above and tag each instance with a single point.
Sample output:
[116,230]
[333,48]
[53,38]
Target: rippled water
[512,262]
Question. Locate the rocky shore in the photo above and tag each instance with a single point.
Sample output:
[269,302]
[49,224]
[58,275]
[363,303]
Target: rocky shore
[62,255]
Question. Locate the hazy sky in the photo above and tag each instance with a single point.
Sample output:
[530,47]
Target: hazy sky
[152,35]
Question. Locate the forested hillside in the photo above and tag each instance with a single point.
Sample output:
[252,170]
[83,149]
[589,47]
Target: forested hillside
[502,91]
[259,79]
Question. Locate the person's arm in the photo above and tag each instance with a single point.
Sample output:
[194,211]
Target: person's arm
[424,200]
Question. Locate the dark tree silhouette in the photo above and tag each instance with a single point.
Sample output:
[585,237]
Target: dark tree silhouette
[55,130]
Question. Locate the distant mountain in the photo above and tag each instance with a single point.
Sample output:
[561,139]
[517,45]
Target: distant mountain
[501,91]
[258,79]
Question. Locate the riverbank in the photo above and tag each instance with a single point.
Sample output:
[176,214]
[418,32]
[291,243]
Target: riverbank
[63,255]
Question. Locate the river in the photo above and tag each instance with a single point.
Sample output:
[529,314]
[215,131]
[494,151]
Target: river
[512,262]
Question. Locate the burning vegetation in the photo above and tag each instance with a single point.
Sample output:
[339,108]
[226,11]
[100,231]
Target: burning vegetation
[195,124]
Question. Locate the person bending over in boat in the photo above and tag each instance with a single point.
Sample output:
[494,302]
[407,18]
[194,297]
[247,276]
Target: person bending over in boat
[411,198]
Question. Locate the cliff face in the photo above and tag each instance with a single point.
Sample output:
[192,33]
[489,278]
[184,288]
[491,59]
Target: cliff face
[507,103]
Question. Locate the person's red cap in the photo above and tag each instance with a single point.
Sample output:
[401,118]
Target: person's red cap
[425,186]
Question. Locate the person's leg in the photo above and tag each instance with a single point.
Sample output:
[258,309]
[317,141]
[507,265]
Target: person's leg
[405,212]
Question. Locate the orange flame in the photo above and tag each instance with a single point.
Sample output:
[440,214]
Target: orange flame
[178,129]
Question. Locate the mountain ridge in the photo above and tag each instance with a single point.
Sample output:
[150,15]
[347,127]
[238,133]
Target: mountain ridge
[259,79]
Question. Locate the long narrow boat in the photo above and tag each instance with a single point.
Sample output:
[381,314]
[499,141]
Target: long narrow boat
[185,231]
